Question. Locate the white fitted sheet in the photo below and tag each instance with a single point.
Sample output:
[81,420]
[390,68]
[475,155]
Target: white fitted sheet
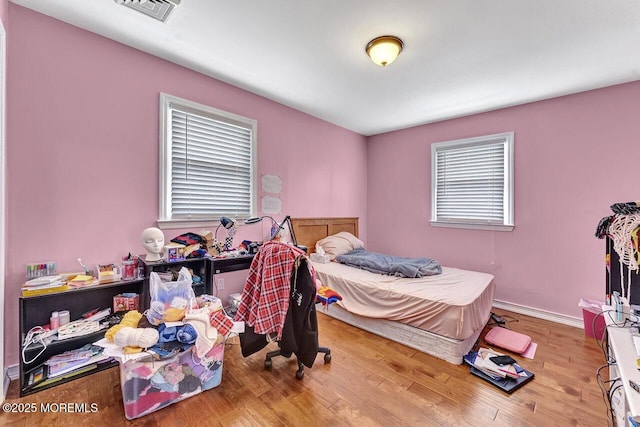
[454,304]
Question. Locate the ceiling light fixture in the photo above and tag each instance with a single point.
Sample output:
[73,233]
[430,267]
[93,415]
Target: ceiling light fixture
[384,50]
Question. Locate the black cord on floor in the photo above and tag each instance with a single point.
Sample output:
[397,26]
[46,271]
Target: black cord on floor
[607,387]
[501,320]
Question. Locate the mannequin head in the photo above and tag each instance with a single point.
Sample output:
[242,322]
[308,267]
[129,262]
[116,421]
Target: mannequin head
[153,242]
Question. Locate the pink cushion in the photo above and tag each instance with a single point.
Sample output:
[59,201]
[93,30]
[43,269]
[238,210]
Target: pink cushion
[508,339]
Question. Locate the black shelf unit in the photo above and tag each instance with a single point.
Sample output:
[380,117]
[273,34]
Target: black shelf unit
[36,310]
[205,267]
[615,280]
[233,263]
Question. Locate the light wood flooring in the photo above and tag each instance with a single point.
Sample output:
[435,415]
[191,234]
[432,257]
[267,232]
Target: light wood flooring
[370,381]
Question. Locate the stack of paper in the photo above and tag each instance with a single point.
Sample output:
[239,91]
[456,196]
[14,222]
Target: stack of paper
[75,359]
[506,377]
[81,280]
[482,361]
[44,285]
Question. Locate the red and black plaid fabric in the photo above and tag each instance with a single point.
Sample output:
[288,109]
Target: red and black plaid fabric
[221,322]
[265,298]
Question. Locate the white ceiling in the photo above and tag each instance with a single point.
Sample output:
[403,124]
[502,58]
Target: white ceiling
[460,56]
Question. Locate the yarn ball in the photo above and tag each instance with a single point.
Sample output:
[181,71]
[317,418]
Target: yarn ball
[131,318]
[112,331]
[136,337]
[173,314]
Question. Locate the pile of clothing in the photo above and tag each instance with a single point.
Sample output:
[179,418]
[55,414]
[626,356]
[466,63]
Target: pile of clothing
[202,328]
[183,357]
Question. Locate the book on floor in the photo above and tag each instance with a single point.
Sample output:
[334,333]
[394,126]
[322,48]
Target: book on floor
[505,384]
[508,377]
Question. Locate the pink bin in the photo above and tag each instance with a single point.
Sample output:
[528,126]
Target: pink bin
[591,329]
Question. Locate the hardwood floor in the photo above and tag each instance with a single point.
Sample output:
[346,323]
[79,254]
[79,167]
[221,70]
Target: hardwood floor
[370,381]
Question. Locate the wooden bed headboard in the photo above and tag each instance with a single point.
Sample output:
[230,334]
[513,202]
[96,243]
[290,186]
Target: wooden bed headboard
[309,230]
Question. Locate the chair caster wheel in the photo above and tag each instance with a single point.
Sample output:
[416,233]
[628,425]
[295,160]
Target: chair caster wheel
[299,374]
[327,358]
[267,364]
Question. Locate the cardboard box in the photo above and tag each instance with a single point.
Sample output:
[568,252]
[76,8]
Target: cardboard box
[212,248]
[126,302]
[174,252]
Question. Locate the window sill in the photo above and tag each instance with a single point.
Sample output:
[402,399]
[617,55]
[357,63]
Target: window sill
[184,223]
[472,226]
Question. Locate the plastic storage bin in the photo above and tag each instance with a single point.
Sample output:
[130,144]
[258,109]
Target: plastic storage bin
[591,329]
[148,385]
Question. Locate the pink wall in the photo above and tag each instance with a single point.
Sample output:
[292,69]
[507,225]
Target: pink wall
[82,150]
[574,157]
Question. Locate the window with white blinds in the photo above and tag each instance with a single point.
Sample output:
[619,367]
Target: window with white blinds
[207,164]
[472,182]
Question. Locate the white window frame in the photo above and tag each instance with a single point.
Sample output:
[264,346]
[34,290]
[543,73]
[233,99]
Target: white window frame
[166,218]
[505,142]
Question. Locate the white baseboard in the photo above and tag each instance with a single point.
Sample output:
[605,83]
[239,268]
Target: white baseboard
[540,314]
[13,372]
[5,383]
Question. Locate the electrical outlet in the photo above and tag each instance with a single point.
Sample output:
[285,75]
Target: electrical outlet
[220,284]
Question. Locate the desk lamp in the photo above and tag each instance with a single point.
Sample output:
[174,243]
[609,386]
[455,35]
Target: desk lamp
[274,225]
[278,227]
[230,225]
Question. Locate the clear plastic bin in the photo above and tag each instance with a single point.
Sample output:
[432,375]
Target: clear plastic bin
[148,385]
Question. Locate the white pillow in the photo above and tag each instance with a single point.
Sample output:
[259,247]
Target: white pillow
[338,244]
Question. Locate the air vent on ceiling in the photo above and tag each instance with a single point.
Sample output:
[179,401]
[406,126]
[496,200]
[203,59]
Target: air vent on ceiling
[158,9]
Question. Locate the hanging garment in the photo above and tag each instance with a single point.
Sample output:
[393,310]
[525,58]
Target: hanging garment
[264,300]
[281,265]
[300,333]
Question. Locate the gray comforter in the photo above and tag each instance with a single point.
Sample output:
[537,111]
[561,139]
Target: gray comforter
[389,264]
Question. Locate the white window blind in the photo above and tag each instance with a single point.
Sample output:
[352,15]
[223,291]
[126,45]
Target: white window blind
[472,182]
[208,163]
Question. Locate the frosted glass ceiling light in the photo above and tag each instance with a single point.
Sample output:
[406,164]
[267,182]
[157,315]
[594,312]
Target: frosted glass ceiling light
[384,50]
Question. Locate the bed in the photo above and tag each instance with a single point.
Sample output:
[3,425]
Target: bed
[441,314]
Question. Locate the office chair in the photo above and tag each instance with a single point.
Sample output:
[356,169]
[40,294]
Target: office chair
[301,325]
[279,300]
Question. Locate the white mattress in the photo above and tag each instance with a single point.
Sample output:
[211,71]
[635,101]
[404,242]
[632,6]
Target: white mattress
[436,345]
[455,304]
